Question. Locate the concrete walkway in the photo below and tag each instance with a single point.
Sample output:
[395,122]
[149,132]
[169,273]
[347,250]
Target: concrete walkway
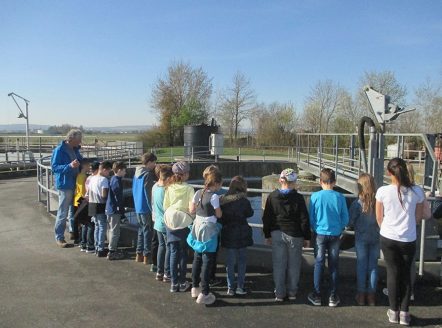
[42,285]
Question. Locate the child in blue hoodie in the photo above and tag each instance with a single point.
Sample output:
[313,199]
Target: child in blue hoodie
[142,184]
[328,218]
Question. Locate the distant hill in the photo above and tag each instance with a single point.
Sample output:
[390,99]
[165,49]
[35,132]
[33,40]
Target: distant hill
[14,128]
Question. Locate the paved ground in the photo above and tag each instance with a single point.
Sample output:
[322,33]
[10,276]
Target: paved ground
[45,286]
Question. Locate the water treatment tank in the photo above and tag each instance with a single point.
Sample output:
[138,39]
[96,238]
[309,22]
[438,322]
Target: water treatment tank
[196,139]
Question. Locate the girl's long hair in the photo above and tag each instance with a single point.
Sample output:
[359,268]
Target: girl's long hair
[367,191]
[210,179]
[398,168]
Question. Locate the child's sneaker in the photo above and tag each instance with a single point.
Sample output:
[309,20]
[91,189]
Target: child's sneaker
[240,291]
[333,300]
[314,298]
[111,256]
[206,299]
[166,278]
[159,277]
[279,299]
[184,287]
[404,318]
[90,251]
[393,316]
[292,297]
[230,292]
[195,291]
[101,254]
[174,288]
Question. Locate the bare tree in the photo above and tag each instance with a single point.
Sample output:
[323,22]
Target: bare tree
[428,100]
[182,97]
[275,124]
[321,106]
[235,104]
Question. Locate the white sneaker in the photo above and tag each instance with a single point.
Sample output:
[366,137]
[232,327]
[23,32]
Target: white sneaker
[240,291]
[206,299]
[404,318]
[195,291]
[230,292]
[393,316]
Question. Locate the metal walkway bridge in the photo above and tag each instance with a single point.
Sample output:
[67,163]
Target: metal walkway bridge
[341,153]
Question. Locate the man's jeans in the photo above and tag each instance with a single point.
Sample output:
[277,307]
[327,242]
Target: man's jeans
[367,255]
[163,257]
[100,231]
[178,261]
[65,211]
[144,233]
[287,259]
[331,245]
[201,268]
[238,256]
[114,230]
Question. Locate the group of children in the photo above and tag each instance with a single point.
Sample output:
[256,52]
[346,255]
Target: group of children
[99,207]
[171,213]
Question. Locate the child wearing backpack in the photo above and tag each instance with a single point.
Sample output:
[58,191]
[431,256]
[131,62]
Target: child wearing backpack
[177,200]
[203,237]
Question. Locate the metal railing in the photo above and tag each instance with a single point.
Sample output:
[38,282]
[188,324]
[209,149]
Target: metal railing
[46,189]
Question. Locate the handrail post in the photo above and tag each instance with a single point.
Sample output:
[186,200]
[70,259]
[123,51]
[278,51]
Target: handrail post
[422,249]
[48,194]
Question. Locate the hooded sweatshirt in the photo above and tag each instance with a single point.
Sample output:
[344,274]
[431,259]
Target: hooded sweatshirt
[178,195]
[286,211]
[142,184]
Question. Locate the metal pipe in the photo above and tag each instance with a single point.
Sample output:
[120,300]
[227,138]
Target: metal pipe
[422,249]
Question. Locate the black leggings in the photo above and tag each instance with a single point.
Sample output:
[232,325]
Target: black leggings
[398,258]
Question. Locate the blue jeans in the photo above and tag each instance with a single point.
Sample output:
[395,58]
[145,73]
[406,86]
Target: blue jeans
[178,261]
[238,256]
[163,257]
[65,211]
[100,231]
[331,245]
[287,259]
[144,233]
[367,266]
[201,270]
[87,235]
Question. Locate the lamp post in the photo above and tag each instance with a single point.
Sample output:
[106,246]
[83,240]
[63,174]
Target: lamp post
[22,115]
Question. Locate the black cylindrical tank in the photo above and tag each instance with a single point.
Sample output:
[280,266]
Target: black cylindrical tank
[196,137]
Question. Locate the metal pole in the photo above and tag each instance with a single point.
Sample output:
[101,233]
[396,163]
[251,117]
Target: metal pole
[48,194]
[38,181]
[421,252]
[27,127]
[336,158]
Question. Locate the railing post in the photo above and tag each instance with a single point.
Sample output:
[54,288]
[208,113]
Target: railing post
[48,194]
[38,181]
[422,249]
[39,147]
[336,154]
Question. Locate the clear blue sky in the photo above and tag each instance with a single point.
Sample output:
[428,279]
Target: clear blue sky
[95,62]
